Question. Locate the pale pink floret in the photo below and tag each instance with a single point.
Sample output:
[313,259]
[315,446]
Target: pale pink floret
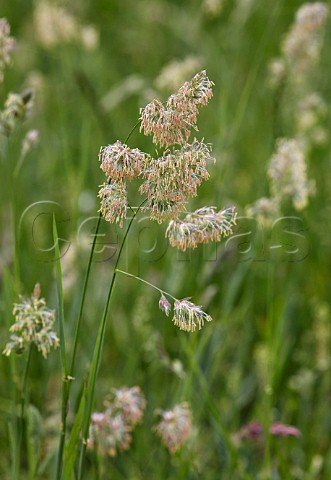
[109,433]
[187,315]
[111,430]
[282,430]
[164,305]
[173,178]
[114,201]
[175,426]
[172,123]
[130,402]
[119,161]
[202,226]
[255,431]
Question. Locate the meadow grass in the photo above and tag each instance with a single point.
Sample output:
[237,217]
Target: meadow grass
[265,357]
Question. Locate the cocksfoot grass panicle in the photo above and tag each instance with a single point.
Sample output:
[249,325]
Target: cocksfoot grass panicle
[175,426]
[7,46]
[174,177]
[16,109]
[202,226]
[289,182]
[111,430]
[288,174]
[34,324]
[303,42]
[301,47]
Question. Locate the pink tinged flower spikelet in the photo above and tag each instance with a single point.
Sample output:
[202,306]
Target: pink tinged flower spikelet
[130,403]
[171,123]
[164,305]
[175,426]
[30,140]
[198,90]
[114,201]
[163,209]
[174,177]
[255,431]
[202,226]
[283,430]
[118,161]
[187,315]
[109,433]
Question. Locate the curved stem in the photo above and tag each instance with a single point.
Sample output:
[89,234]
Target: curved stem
[147,283]
[97,355]
[132,130]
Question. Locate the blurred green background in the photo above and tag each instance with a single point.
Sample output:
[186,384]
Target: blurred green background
[268,309]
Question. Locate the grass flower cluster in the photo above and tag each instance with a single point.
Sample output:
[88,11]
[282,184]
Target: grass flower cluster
[255,431]
[174,426]
[15,110]
[114,201]
[302,45]
[187,315]
[111,430]
[7,45]
[202,226]
[56,25]
[34,324]
[172,123]
[173,178]
[288,175]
